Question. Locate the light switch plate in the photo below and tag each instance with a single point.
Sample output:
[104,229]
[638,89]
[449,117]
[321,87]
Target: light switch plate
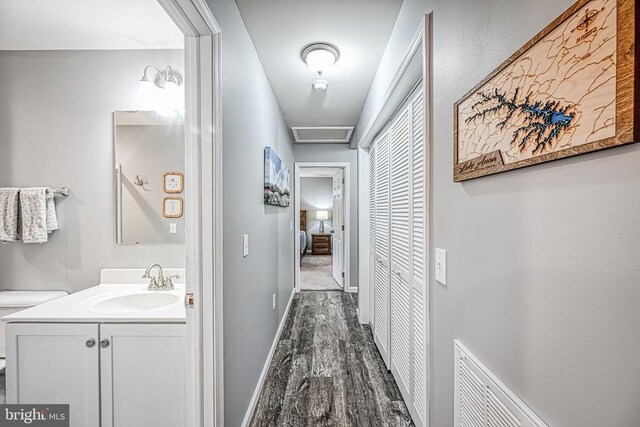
[173,228]
[245,245]
[441,266]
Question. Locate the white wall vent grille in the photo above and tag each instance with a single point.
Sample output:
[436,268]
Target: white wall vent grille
[322,134]
[482,400]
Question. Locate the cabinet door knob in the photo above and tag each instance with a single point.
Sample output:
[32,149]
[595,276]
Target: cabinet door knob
[90,343]
[104,343]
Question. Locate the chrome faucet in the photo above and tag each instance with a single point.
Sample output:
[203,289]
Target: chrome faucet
[159,283]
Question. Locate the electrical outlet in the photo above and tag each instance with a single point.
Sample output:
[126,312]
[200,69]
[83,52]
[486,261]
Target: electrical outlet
[245,245]
[441,266]
[273,302]
[173,228]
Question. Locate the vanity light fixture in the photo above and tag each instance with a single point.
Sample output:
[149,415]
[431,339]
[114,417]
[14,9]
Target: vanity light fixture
[163,79]
[319,57]
[160,92]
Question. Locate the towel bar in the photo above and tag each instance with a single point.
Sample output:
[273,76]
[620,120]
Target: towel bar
[64,192]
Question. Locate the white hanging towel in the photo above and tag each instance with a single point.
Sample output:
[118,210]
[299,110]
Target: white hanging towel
[52,217]
[9,214]
[33,215]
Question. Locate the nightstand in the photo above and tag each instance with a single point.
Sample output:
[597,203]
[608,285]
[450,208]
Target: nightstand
[321,244]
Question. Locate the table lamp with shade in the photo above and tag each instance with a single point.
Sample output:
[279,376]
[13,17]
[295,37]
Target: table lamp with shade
[322,216]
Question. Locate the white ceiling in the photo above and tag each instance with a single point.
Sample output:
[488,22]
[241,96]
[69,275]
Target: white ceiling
[281,28]
[86,24]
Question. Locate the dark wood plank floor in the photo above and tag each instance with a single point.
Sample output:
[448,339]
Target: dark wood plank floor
[327,371]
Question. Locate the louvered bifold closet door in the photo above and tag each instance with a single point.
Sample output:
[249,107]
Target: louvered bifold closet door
[401,319]
[419,262]
[372,231]
[381,297]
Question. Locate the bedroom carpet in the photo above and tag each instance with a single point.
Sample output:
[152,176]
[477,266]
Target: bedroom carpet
[316,273]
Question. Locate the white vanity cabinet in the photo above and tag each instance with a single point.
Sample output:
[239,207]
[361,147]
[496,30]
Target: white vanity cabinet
[111,374]
[50,363]
[142,375]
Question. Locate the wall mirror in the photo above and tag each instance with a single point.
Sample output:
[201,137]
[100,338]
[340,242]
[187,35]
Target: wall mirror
[149,170]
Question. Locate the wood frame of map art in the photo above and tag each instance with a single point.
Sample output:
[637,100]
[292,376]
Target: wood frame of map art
[572,89]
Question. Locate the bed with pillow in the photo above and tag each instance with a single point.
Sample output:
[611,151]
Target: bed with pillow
[303,233]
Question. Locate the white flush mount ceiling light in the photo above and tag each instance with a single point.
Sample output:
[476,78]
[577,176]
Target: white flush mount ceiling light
[319,57]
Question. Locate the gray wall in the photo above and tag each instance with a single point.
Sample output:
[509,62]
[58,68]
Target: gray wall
[316,193]
[338,153]
[56,130]
[411,13]
[252,120]
[544,264]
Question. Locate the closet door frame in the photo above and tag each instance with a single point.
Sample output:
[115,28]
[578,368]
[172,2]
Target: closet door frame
[418,47]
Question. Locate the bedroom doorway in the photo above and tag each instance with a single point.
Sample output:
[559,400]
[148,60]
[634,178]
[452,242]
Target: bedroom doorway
[321,214]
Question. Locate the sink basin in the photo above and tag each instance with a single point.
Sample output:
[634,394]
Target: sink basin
[132,303]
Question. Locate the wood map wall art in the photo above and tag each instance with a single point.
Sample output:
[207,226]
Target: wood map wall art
[572,89]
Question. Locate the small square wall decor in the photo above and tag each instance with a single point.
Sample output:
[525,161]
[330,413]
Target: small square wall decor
[569,90]
[173,182]
[172,207]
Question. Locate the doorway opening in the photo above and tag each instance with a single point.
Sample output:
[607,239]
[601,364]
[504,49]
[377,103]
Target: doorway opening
[322,214]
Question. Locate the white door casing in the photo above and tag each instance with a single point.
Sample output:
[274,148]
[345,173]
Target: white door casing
[346,215]
[419,250]
[203,193]
[338,227]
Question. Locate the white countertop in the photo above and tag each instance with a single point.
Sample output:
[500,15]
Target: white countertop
[80,306]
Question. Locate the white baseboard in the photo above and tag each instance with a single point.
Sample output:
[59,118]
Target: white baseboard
[352,289]
[265,369]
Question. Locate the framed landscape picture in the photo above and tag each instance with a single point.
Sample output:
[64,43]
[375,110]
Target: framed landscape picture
[277,180]
[570,90]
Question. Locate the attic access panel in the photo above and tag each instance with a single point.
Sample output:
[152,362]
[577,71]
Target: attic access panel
[322,135]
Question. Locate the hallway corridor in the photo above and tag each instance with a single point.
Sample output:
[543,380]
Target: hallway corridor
[326,370]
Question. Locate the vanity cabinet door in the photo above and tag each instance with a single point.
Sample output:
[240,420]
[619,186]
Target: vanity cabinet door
[143,368]
[58,364]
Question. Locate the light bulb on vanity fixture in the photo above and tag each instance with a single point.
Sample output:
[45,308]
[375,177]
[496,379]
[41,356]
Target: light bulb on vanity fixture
[320,57]
[162,93]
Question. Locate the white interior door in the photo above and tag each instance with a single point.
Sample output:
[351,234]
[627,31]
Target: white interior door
[399,252]
[401,330]
[372,234]
[381,280]
[338,227]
